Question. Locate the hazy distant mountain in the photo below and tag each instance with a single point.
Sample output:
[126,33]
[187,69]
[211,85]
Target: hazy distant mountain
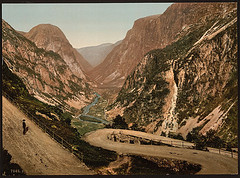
[50,37]
[96,54]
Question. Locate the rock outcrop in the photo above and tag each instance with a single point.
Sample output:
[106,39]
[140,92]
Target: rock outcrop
[150,33]
[190,84]
[50,37]
[45,74]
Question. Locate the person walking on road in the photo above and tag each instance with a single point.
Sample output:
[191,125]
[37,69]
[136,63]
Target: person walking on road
[24,127]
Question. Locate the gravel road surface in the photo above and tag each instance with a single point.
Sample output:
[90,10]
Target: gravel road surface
[36,152]
[212,163]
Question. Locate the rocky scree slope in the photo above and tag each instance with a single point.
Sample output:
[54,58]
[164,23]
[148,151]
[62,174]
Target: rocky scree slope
[50,37]
[190,84]
[150,33]
[45,74]
[96,54]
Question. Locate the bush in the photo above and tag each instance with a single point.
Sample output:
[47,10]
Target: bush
[201,143]
[192,136]
[198,139]
[212,140]
[119,123]
[189,137]
[178,136]
[163,134]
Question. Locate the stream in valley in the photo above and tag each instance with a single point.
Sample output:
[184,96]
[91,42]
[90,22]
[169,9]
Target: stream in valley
[92,118]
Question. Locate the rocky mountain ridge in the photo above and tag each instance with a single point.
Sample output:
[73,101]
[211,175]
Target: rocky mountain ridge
[188,85]
[50,37]
[45,74]
[150,33]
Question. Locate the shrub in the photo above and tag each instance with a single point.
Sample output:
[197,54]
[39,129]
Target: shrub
[119,123]
[163,134]
[200,143]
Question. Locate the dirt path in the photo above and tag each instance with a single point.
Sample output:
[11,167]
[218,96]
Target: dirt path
[36,152]
[212,163]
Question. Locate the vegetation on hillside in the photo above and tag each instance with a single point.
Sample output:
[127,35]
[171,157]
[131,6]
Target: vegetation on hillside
[84,127]
[42,71]
[198,98]
[145,89]
[14,87]
[97,110]
[211,139]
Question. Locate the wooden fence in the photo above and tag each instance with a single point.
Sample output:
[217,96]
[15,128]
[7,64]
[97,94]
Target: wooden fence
[132,139]
[45,128]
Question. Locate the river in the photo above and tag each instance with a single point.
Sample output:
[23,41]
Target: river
[86,111]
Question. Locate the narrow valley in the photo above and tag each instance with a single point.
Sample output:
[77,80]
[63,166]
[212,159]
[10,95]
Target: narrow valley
[162,99]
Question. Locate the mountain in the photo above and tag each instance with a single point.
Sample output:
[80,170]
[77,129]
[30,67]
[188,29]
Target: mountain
[191,84]
[21,32]
[96,54]
[150,33]
[50,37]
[44,73]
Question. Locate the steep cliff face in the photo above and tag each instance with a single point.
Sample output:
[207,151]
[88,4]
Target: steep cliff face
[50,37]
[191,83]
[45,74]
[207,81]
[150,33]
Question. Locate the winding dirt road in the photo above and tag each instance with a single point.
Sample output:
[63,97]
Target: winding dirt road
[212,163]
[36,152]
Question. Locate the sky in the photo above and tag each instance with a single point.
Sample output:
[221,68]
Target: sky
[84,24]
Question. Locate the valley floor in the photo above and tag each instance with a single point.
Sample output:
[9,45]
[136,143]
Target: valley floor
[212,163]
[36,152]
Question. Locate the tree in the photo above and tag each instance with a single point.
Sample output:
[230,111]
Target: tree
[119,123]
[198,139]
[192,136]
[189,137]
[213,140]
[201,143]
[218,142]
